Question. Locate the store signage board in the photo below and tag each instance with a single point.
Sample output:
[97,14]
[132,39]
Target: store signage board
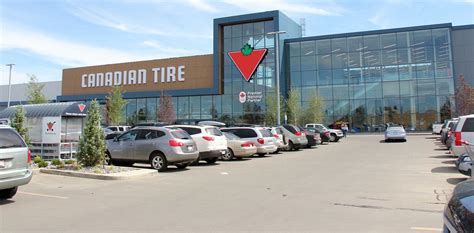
[247,60]
[51,130]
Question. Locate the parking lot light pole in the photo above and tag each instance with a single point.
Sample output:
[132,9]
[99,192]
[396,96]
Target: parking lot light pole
[277,70]
[9,84]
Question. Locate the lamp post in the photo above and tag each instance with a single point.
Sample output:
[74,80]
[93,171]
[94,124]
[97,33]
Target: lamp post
[9,84]
[277,70]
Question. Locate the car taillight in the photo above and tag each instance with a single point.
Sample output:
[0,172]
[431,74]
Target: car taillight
[247,144]
[175,143]
[450,133]
[208,138]
[276,136]
[457,139]
[298,133]
[29,156]
[261,140]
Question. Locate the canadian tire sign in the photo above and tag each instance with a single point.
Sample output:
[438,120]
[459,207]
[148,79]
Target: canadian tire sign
[247,60]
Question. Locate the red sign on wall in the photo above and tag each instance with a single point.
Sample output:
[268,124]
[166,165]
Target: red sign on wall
[247,60]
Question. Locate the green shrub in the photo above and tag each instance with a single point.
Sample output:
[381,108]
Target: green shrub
[56,162]
[77,167]
[61,165]
[43,164]
[69,162]
[97,170]
[37,159]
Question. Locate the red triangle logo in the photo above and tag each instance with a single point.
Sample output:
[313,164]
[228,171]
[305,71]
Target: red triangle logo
[247,64]
[81,107]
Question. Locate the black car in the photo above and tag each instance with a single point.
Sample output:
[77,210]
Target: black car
[459,211]
[310,136]
[325,136]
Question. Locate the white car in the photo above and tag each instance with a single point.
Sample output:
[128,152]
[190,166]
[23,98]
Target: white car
[464,131]
[210,141]
[261,137]
[119,128]
[395,133]
[334,134]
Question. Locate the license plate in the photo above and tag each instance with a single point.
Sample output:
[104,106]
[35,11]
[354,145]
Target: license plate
[2,163]
[190,148]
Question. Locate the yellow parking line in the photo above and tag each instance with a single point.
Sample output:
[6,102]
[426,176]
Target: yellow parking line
[42,195]
[426,229]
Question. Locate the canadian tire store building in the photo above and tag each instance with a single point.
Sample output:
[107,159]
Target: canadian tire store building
[402,75]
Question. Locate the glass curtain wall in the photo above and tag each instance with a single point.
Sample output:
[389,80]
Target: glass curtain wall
[371,80]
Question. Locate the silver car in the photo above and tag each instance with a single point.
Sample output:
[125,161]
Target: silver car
[238,147]
[395,133]
[262,138]
[294,137]
[14,162]
[158,146]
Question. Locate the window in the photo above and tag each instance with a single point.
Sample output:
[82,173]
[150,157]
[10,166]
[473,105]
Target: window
[290,128]
[146,135]
[10,139]
[324,77]
[128,136]
[308,63]
[339,60]
[324,61]
[294,49]
[338,45]
[373,90]
[308,48]
[214,131]
[265,133]
[390,73]
[308,78]
[247,29]
[404,39]
[422,38]
[444,87]
[324,46]
[341,92]
[191,131]
[236,30]
[355,44]
[468,125]
[372,42]
[243,133]
[355,59]
[389,41]
[372,58]
[425,87]
[181,134]
[259,28]
[391,89]
[295,64]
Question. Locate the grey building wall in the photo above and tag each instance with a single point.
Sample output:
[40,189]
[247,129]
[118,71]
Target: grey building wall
[463,53]
[19,92]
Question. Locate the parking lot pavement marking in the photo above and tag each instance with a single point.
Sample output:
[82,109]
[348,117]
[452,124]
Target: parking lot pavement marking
[426,229]
[224,173]
[42,195]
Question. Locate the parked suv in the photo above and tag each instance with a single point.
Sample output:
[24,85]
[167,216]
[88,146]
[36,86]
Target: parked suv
[155,145]
[464,131]
[313,138]
[262,138]
[210,141]
[335,134]
[294,137]
[119,128]
[14,162]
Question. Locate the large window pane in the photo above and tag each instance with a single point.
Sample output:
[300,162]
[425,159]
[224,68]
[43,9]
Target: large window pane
[355,43]
[422,38]
[357,91]
[131,111]
[372,58]
[445,107]
[389,57]
[340,76]
[404,56]
[406,72]
[217,104]
[341,108]
[443,69]
[373,74]
[269,26]
[392,110]
[373,90]
[325,92]
[308,78]
[236,43]
[407,88]
[324,61]
[183,107]
[258,28]
[259,41]
[307,92]
[425,87]
[208,109]
[247,29]
[356,75]
[341,92]
[427,113]
[390,73]
[338,45]
[227,31]
[295,63]
[226,104]
[308,63]
[391,89]
[424,71]
[295,80]
[308,48]
[237,30]
[141,110]
[389,41]
[423,54]
[324,77]
[339,60]
[151,109]
[372,42]
[444,86]
[195,106]
[404,39]
[355,59]
[294,49]
[324,46]
[358,112]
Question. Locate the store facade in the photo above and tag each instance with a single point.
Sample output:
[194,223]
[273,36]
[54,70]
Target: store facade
[368,79]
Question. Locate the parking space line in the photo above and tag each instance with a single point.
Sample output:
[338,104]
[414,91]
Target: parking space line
[426,229]
[42,195]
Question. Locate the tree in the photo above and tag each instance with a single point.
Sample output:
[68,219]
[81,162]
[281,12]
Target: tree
[166,111]
[35,91]
[19,121]
[92,143]
[314,113]
[293,107]
[464,98]
[271,110]
[114,105]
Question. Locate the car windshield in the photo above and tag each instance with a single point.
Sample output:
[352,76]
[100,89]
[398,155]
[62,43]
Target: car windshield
[179,133]
[395,128]
[214,131]
[265,133]
[231,136]
[9,139]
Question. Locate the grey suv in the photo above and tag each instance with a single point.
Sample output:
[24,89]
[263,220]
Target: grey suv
[158,146]
[14,162]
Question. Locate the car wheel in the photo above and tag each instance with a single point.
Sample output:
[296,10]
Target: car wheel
[290,146]
[332,138]
[261,154]
[182,165]
[158,162]
[8,193]
[211,160]
[107,159]
[228,156]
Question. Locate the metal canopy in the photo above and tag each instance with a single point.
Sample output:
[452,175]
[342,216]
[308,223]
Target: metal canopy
[49,110]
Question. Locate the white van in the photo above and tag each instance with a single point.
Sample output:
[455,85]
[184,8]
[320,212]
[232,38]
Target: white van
[464,131]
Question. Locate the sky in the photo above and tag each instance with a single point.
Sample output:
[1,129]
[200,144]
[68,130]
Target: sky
[43,37]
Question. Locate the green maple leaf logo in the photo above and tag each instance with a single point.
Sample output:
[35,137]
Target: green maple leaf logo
[246,50]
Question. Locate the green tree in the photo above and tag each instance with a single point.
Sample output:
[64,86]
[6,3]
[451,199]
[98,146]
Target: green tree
[92,143]
[271,110]
[19,122]
[314,113]
[115,105]
[35,91]
[293,106]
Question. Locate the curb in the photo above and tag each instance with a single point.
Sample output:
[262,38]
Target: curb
[114,176]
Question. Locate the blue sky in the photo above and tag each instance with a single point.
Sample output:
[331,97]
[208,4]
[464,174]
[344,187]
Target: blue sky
[42,37]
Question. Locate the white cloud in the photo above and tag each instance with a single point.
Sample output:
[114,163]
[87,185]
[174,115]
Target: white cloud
[17,76]
[203,5]
[290,7]
[380,19]
[168,50]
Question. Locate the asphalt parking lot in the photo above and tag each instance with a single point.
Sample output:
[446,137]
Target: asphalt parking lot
[360,184]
